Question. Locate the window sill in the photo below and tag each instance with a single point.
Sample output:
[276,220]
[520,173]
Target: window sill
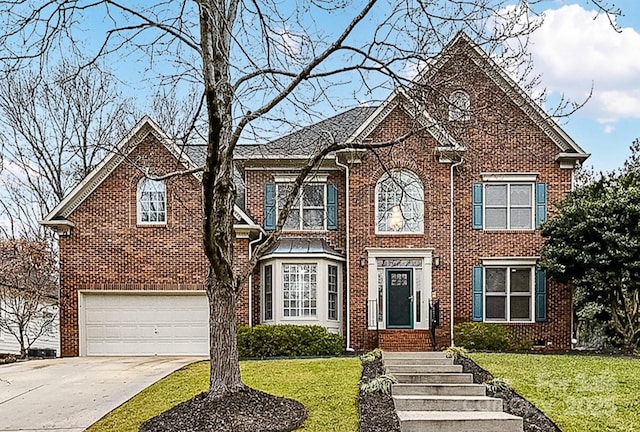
[509,322]
[510,230]
[399,234]
[289,231]
[151,224]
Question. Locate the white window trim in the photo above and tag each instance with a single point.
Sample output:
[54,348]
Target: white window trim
[139,220]
[301,207]
[423,254]
[322,292]
[377,203]
[457,113]
[507,177]
[291,178]
[263,312]
[338,303]
[532,284]
[509,184]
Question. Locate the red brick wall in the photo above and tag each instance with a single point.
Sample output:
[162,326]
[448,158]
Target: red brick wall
[255,183]
[108,250]
[500,137]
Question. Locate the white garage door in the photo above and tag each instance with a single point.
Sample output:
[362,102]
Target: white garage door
[144,324]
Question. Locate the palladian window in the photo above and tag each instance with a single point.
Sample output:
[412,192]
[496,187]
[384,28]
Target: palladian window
[399,203]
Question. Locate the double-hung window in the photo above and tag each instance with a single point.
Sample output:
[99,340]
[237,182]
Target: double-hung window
[509,293]
[152,202]
[308,210]
[508,206]
[299,290]
[268,293]
[332,290]
[509,201]
[509,290]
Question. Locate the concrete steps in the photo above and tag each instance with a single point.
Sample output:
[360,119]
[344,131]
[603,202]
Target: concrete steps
[447,403]
[423,369]
[434,395]
[455,421]
[439,389]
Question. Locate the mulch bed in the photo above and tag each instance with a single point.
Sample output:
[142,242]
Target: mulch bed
[534,419]
[377,412]
[248,410]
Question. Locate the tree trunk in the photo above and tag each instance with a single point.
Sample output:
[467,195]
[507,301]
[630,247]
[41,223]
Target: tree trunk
[225,369]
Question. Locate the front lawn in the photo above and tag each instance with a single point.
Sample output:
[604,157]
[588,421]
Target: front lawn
[328,388]
[580,393]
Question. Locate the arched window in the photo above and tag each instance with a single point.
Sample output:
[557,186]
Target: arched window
[152,202]
[459,106]
[399,203]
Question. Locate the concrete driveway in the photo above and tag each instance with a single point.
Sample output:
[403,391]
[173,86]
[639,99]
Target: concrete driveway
[70,394]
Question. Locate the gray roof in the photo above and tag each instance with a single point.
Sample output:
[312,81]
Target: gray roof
[309,139]
[289,246]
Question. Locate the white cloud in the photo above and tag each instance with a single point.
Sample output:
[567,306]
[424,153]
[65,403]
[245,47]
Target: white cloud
[576,49]
[609,129]
[289,43]
[413,68]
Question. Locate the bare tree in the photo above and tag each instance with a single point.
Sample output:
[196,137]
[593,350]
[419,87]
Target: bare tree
[28,291]
[56,125]
[263,65]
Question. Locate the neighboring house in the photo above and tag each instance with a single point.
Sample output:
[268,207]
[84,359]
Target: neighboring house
[370,243]
[50,338]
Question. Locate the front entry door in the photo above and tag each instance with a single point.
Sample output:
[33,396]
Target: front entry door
[399,299]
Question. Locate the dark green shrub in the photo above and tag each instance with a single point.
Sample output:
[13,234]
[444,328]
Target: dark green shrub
[521,343]
[287,340]
[482,336]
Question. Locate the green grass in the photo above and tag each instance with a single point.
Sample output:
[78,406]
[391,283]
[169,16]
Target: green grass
[580,393]
[328,388]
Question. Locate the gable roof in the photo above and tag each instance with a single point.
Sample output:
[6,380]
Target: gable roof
[462,42]
[307,140]
[400,98]
[57,218]
[356,124]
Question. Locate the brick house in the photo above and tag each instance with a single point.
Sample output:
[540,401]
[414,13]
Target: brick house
[451,213]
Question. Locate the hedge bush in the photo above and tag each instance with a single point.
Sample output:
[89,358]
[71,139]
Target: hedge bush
[286,340]
[482,336]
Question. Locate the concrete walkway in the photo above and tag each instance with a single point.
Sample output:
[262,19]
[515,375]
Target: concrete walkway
[70,394]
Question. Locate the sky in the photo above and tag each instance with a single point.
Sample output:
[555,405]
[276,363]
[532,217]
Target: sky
[578,53]
[576,50]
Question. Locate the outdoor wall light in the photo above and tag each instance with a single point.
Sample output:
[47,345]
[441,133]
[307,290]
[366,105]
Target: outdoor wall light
[436,261]
[363,262]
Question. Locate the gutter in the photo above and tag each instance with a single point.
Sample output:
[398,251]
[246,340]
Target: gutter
[251,243]
[347,266]
[451,251]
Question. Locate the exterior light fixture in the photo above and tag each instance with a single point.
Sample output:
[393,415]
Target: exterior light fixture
[436,261]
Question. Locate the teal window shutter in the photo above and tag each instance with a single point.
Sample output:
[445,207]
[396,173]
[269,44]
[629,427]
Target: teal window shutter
[541,203]
[477,205]
[269,206]
[477,294]
[332,207]
[541,295]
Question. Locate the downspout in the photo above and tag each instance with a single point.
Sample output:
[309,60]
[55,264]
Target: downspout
[251,243]
[347,265]
[451,252]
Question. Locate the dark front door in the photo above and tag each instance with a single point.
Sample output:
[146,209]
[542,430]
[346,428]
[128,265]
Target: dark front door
[399,299]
